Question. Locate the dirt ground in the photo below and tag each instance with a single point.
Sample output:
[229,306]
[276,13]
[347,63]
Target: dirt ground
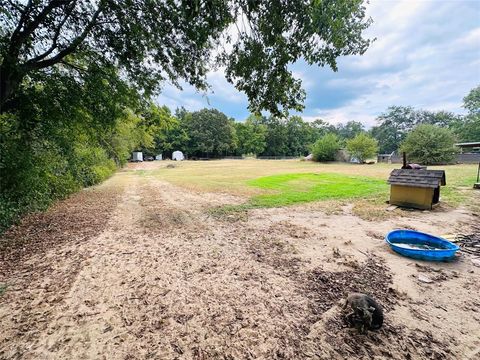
[138,268]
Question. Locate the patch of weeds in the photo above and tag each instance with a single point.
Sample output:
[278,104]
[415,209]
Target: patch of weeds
[141,172]
[373,209]
[231,213]
[3,288]
[155,221]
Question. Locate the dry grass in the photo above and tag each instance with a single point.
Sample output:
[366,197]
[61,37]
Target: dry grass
[231,176]
[234,177]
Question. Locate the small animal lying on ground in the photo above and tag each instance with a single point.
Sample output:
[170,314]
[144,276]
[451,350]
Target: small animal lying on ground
[366,314]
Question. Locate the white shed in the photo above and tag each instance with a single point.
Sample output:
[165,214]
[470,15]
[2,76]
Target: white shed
[137,156]
[178,156]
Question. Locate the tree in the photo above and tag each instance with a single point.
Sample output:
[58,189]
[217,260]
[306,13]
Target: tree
[211,133]
[299,136]
[251,137]
[152,41]
[395,123]
[467,128]
[326,147]
[471,102]
[320,127]
[439,118]
[362,147]
[276,137]
[350,129]
[158,123]
[65,135]
[430,144]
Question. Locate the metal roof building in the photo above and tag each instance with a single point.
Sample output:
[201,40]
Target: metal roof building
[467,147]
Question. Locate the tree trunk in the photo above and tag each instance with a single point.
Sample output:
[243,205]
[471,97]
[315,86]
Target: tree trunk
[10,79]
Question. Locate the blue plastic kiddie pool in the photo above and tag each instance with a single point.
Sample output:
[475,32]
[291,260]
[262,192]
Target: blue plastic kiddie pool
[420,245]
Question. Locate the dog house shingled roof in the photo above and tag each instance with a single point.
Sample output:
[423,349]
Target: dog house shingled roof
[417,178]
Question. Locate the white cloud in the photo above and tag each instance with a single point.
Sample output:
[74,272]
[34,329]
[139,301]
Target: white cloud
[424,57]
[223,89]
[472,38]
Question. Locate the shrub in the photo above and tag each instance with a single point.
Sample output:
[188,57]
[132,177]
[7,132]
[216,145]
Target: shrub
[326,147]
[362,147]
[429,144]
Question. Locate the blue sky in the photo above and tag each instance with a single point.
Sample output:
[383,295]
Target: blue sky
[427,55]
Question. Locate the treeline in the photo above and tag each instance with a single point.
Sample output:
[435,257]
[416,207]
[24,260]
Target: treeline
[209,133]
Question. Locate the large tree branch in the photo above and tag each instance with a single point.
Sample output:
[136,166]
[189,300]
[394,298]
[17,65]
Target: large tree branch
[21,21]
[19,35]
[56,35]
[20,9]
[70,48]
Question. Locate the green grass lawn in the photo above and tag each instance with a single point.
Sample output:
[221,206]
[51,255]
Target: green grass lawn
[287,189]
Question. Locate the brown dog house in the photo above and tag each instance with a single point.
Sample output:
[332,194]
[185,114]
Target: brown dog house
[418,189]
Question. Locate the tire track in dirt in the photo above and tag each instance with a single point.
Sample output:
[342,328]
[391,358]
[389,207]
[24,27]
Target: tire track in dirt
[41,259]
[89,322]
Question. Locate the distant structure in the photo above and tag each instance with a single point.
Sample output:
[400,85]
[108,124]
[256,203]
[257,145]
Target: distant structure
[385,158]
[178,156]
[469,152]
[159,157]
[137,156]
[469,147]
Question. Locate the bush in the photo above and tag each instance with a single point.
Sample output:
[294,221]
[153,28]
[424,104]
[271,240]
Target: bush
[362,147]
[429,144]
[326,147]
[31,177]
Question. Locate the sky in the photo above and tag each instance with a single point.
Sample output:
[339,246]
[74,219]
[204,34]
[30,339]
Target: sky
[426,55]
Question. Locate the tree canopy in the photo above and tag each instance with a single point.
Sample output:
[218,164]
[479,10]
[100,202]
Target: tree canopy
[210,132]
[250,136]
[468,128]
[430,144]
[350,129]
[150,41]
[326,147]
[362,147]
[471,102]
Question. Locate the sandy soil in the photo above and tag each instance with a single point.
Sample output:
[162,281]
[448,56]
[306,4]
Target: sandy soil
[138,268]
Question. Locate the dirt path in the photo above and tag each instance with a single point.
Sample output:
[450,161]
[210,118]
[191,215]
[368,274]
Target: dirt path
[160,277]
